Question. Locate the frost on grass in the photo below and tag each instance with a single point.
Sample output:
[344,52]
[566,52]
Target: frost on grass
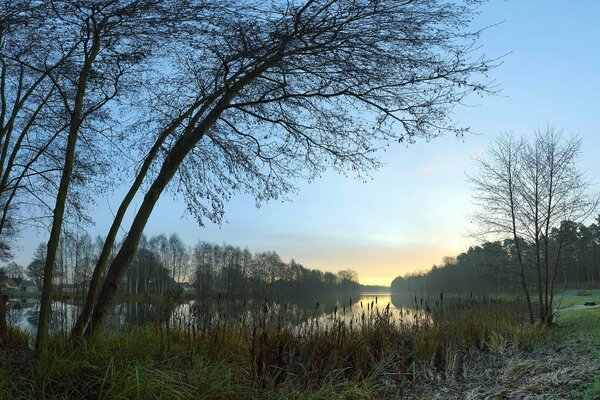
[548,373]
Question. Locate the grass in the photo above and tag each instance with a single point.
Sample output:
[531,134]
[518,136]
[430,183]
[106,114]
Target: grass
[580,331]
[366,354]
[562,297]
[573,297]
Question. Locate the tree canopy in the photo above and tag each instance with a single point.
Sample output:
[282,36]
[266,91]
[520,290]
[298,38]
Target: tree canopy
[214,98]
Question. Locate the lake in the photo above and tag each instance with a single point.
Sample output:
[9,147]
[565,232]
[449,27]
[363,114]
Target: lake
[197,314]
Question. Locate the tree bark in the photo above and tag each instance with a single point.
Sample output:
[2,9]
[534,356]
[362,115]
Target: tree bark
[59,208]
[516,238]
[3,328]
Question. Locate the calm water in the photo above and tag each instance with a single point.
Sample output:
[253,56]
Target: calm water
[199,313]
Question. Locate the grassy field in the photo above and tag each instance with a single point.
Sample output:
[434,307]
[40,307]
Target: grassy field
[579,330]
[562,298]
[573,297]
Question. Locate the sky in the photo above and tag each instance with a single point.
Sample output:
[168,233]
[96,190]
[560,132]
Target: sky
[415,209]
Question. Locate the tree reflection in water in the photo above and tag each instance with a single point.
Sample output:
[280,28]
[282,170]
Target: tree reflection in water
[201,313]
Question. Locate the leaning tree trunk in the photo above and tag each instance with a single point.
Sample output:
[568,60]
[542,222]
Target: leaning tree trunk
[86,312]
[88,306]
[169,167]
[129,246]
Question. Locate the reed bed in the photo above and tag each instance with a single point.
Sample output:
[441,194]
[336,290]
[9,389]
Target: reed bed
[360,351]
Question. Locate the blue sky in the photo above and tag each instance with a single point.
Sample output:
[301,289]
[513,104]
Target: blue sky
[415,209]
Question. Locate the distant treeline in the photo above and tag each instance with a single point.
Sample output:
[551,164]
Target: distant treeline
[165,264]
[230,270]
[492,267]
[159,264]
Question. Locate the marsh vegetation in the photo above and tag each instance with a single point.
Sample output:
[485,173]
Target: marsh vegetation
[208,100]
[352,352]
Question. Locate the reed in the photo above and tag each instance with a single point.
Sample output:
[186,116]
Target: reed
[355,352]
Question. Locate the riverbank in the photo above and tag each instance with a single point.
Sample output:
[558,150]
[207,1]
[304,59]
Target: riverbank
[563,364]
[470,352]
[373,354]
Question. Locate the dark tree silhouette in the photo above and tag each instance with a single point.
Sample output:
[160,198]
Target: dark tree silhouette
[493,268]
[238,273]
[98,47]
[277,92]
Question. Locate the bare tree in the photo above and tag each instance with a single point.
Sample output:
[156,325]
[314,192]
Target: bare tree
[179,263]
[273,93]
[25,92]
[347,275]
[14,270]
[496,193]
[163,25]
[532,192]
[35,269]
[105,40]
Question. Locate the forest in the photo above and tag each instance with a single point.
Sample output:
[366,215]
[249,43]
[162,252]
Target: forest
[165,265]
[491,268]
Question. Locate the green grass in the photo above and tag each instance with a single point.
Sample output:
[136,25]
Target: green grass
[580,330]
[562,297]
[576,297]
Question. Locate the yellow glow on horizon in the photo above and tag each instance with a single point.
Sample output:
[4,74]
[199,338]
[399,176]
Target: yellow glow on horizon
[380,265]
[376,281]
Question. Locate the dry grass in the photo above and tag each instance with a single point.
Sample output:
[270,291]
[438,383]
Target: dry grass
[542,374]
[557,364]
[366,354]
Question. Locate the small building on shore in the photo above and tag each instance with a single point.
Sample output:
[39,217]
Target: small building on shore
[9,285]
[28,287]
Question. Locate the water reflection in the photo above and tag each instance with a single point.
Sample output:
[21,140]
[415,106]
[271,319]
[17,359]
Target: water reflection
[201,313]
